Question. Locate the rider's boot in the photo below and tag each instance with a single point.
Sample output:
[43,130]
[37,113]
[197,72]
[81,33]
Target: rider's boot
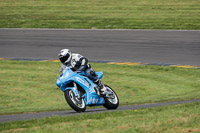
[101,86]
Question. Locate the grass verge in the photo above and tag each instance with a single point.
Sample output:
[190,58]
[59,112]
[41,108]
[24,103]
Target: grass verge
[169,119]
[30,86]
[100,14]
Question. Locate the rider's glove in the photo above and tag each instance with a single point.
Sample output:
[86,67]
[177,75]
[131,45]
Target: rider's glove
[82,68]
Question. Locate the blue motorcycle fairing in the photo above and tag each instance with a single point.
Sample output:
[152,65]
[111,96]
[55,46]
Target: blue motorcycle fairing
[90,97]
[99,74]
[65,78]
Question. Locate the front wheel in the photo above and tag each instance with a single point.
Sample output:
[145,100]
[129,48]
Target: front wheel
[111,102]
[77,104]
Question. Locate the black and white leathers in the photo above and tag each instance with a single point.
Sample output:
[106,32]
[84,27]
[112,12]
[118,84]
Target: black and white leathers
[77,63]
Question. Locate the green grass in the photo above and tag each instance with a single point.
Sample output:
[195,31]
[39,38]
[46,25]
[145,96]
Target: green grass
[181,118]
[100,14]
[30,86]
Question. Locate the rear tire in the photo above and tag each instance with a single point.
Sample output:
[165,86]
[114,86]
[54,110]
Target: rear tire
[77,104]
[111,103]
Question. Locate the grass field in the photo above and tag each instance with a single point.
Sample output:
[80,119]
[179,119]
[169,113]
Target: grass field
[100,14]
[30,86]
[181,118]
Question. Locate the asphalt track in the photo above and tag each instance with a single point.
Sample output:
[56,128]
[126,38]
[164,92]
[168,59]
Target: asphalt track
[15,117]
[146,46]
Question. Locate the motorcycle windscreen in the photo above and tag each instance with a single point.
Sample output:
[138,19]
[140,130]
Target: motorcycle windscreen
[99,74]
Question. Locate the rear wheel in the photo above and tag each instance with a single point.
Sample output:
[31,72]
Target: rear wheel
[111,101]
[75,103]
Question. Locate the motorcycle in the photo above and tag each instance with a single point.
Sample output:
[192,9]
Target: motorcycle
[80,91]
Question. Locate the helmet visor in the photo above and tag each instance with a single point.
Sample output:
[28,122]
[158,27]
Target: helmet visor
[64,58]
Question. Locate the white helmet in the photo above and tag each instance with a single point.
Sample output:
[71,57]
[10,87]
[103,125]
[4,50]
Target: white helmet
[65,56]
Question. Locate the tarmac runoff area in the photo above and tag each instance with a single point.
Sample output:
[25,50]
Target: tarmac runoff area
[28,116]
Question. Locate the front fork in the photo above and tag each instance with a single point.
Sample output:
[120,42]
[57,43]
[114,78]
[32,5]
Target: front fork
[75,89]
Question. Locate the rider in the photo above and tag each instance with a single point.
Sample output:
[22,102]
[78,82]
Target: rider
[78,63]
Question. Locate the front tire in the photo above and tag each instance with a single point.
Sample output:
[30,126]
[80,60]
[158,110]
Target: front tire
[111,103]
[77,104]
